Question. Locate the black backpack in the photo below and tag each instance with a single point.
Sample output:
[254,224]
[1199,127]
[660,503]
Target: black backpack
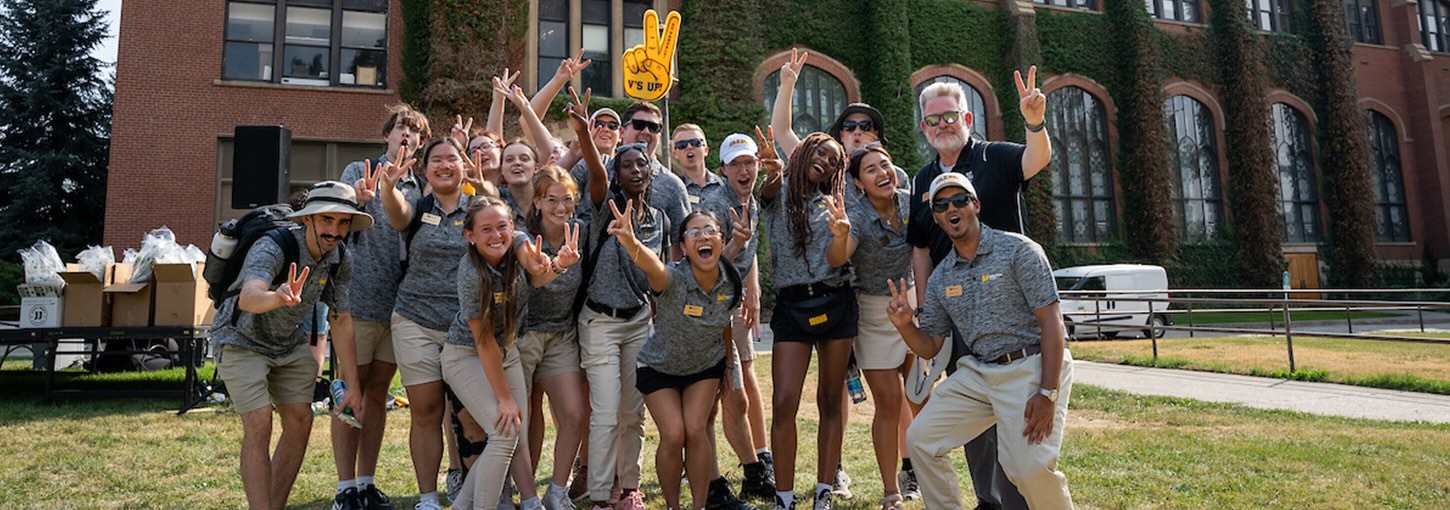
[267,221]
[424,205]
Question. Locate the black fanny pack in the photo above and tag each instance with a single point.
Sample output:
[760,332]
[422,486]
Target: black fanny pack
[816,309]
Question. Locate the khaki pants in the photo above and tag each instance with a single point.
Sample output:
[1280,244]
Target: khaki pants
[255,381]
[463,371]
[608,349]
[976,397]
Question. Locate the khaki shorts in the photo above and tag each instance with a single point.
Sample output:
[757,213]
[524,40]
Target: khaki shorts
[418,351]
[255,380]
[878,345]
[545,354]
[743,337]
[374,341]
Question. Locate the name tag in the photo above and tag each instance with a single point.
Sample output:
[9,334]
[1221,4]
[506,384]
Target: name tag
[990,277]
[694,200]
[694,311]
[457,223]
[720,297]
[954,291]
[432,219]
[498,298]
[817,320]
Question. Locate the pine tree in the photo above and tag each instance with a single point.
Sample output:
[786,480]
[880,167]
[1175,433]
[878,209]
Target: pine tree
[55,124]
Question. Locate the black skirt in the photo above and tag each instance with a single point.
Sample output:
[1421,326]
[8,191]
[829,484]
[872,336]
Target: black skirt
[649,380]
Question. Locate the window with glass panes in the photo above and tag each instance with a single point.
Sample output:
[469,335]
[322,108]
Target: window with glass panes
[594,39]
[1298,189]
[819,98]
[1175,10]
[634,22]
[975,104]
[1435,24]
[1091,5]
[310,162]
[1362,21]
[322,42]
[1081,167]
[1271,15]
[1392,222]
[1197,196]
[553,37]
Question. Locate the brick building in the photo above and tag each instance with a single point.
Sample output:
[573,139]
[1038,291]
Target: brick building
[186,77]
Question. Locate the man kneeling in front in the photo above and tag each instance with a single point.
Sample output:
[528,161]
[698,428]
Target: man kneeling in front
[997,288]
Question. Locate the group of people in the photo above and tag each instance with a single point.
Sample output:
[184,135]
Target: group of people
[490,274]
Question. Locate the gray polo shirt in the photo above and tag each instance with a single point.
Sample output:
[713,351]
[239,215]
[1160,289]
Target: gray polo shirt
[551,307]
[697,192]
[689,324]
[666,191]
[278,332]
[720,200]
[471,293]
[882,252]
[428,294]
[376,253]
[617,282]
[991,298]
[788,269]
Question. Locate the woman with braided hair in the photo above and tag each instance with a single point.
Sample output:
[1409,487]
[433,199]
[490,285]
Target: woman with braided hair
[805,217]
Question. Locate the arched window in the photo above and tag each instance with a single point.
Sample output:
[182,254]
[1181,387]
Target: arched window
[1082,186]
[819,98]
[1197,197]
[975,104]
[1298,192]
[1390,213]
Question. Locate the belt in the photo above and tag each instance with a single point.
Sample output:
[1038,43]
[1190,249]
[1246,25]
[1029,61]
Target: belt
[1031,350]
[618,313]
[809,290]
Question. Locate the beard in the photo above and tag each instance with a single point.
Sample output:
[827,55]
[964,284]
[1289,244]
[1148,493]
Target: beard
[948,142]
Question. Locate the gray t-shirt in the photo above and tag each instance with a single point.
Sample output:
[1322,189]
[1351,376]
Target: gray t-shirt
[508,197]
[882,252]
[551,307]
[991,298]
[617,282]
[689,324]
[428,293]
[377,253]
[720,200]
[788,269]
[278,332]
[471,292]
[666,191]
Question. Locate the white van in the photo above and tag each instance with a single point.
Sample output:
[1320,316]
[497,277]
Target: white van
[1106,314]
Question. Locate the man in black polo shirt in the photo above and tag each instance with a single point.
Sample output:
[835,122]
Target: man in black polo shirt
[999,171]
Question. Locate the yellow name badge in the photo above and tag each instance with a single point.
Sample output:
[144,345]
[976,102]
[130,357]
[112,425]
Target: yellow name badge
[720,297]
[694,311]
[498,298]
[817,320]
[457,223]
[954,291]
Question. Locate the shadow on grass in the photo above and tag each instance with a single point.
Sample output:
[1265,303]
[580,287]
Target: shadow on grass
[23,398]
[1401,382]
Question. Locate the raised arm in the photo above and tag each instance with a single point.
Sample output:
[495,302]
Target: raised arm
[1034,112]
[533,127]
[400,212]
[622,228]
[568,69]
[774,168]
[598,177]
[843,244]
[495,110]
[780,116]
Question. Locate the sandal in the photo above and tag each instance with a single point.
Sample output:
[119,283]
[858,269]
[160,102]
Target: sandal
[892,502]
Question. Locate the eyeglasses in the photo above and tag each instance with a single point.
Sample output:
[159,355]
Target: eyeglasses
[643,125]
[863,125]
[484,146]
[567,201]
[958,201]
[693,142]
[610,124]
[949,117]
[697,232]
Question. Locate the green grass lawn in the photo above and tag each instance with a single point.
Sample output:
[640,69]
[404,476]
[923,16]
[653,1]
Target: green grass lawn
[1208,318]
[1121,451]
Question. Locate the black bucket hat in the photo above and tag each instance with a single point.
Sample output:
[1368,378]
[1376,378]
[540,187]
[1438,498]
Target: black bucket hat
[853,108]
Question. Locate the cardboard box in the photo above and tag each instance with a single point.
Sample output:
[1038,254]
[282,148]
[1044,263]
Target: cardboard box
[130,302]
[180,295]
[84,305]
[40,306]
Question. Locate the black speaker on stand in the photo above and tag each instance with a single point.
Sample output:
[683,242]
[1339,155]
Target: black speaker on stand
[261,166]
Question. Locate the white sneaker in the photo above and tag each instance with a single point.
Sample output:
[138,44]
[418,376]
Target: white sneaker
[426,505]
[842,487]
[557,499]
[531,504]
[906,480]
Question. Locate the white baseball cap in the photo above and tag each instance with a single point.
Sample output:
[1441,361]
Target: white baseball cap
[736,145]
[950,180]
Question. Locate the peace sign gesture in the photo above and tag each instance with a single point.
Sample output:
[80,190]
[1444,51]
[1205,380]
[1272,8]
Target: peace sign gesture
[765,151]
[533,258]
[622,228]
[507,81]
[290,291]
[366,187]
[570,67]
[569,253]
[393,170]
[648,68]
[899,308]
[840,223]
[740,231]
[791,70]
[460,130]
[1034,104]
[578,110]
[473,171]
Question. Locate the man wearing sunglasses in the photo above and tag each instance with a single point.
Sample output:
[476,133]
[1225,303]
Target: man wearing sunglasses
[999,172]
[641,124]
[689,149]
[997,287]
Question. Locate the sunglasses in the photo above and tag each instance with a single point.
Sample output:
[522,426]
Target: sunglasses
[644,125]
[958,201]
[697,232]
[693,142]
[949,117]
[863,125]
[612,125]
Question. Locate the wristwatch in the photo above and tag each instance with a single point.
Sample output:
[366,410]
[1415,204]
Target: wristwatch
[1050,394]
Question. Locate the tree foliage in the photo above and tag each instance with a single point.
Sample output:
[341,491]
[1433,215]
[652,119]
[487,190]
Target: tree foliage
[55,123]
[1143,157]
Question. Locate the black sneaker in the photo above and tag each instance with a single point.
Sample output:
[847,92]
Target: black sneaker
[720,498]
[347,500]
[759,481]
[373,498]
[767,459]
[322,390]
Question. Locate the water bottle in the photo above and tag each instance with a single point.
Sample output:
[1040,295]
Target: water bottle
[853,384]
[339,388]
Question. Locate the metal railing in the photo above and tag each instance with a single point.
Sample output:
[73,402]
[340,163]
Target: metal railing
[1275,305]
